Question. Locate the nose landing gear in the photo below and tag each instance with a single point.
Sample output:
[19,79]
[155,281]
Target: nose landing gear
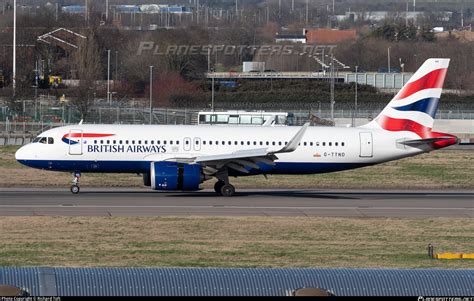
[75,182]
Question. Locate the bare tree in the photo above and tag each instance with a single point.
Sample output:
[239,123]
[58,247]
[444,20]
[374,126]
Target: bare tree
[88,70]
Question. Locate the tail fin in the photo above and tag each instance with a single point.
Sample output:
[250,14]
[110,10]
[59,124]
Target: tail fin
[414,107]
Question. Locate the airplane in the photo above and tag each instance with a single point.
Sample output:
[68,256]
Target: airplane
[181,157]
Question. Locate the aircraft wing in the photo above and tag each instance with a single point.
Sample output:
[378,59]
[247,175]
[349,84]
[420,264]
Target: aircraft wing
[241,160]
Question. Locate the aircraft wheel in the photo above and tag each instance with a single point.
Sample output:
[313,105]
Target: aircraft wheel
[75,189]
[228,190]
[218,186]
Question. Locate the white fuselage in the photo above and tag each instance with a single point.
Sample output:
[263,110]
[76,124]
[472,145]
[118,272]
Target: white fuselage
[131,148]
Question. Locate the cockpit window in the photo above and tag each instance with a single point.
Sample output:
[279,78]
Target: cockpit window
[37,139]
[50,140]
[42,140]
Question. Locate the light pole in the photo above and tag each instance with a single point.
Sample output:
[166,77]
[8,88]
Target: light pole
[14,48]
[108,77]
[116,66]
[212,94]
[151,91]
[388,52]
[355,99]
[332,88]
[106,10]
[209,59]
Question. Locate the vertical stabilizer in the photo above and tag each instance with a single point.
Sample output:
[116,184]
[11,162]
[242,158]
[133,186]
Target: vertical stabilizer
[414,107]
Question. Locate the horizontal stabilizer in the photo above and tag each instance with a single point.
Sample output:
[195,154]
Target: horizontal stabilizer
[418,142]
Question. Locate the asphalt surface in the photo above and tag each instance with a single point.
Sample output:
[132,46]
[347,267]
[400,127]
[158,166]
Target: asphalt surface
[251,202]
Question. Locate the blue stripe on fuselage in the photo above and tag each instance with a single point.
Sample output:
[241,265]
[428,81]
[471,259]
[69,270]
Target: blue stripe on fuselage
[144,167]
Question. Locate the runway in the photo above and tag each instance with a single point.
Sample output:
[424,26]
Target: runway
[251,202]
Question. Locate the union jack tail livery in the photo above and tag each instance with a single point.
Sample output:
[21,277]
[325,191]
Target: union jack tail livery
[414,107]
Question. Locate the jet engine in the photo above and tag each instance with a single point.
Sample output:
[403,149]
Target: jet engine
[175,176]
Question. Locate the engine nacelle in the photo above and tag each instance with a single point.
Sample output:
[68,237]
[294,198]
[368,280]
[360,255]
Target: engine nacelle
[175,176]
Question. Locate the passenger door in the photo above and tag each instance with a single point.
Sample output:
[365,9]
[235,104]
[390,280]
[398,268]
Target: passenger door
[75,142]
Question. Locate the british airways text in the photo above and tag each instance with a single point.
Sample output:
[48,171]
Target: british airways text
[126,148]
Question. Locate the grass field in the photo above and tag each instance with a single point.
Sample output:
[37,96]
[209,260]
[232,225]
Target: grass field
[233,241]
[437,170]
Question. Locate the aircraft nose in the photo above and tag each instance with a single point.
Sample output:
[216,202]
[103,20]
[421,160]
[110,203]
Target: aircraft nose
[23,154]
[20,154]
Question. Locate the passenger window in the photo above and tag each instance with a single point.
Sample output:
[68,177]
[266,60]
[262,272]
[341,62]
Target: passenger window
[335,143]
[304,143]
[146,141]
[279,142]
[342,144]
[95,141]
[101,141]
[210,142]
[204,142]
[164,141]
[324,143]
[229,143]
[139,142]
[177,142]
[311,143]
[273,143]
[248,142]
[330,143]
[261,143]
[267,143]
[317,143]
[197,142]
[255,143]
[235,142]
[241,143]
[126,141]
[114,142]
[152,141]
[133,141]
[157,141]
[108,141]
[50,140]
[120,142]
[171,141]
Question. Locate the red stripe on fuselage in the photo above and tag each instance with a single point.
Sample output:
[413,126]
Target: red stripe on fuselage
[87,135]
[432,80]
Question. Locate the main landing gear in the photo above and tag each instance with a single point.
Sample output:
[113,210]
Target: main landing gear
[222,186]
[75,182]
[224,189]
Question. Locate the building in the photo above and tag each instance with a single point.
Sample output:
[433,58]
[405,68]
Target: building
[327,36]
